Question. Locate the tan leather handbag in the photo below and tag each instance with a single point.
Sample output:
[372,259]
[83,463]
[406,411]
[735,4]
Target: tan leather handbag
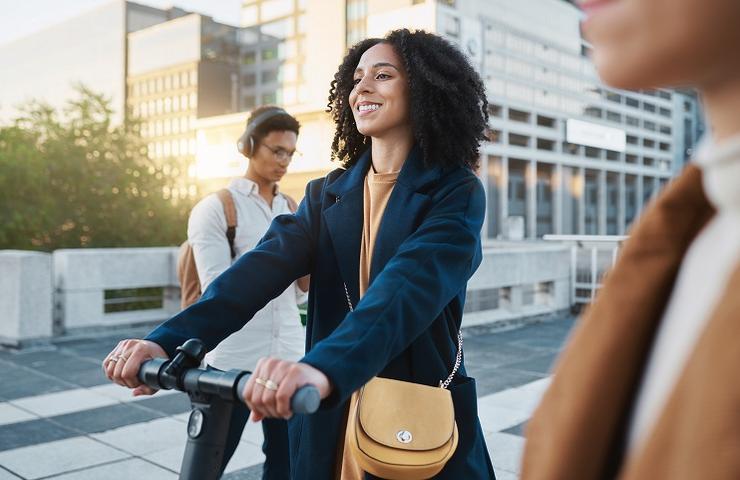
[403,430]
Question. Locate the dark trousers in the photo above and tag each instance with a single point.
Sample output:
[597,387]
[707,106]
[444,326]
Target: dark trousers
[275,446]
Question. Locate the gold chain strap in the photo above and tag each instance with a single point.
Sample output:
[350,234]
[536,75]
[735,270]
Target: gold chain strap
[458,357]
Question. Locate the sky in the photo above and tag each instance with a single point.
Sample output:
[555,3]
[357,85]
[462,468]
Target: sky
[19,18]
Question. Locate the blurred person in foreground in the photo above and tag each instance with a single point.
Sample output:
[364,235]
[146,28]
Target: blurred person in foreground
[646,387]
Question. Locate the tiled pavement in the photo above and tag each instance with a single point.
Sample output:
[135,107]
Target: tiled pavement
[61,419]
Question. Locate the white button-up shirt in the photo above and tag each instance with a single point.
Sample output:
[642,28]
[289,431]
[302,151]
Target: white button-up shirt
[275,330]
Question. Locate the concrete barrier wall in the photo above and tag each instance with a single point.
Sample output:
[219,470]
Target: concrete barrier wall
[82,276]
[26,300]
[525,279]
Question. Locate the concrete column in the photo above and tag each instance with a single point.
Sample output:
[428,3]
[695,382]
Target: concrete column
[558,187]
[26,300]
[640,191]
[531,183]
[581,175]
[602,203]
[622,205]
[483,176]
[504,194]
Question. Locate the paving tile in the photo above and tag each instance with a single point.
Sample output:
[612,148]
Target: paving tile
[19,382]
[107,418]
[6,475]
[123,470]
[506,452]
[9,413]
[59,403]
[495,419]
[32,432]
[504,475]
[524,398]
[147,437]
[517,429]
[167,404]
[540,364]
[250,473]
[58,457]
[123,394]
[494,379]
[246,455]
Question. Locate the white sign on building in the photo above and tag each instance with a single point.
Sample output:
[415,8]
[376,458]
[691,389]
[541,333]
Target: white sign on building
[595,135]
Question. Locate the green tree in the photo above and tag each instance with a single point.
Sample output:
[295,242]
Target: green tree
[76,180]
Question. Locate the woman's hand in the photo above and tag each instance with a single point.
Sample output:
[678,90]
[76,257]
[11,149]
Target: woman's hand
[122,364]
[273,383]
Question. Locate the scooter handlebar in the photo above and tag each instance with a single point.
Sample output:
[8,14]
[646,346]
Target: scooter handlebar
[227,385]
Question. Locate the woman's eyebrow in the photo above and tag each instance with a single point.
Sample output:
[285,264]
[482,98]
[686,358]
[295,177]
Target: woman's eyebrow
[378,65]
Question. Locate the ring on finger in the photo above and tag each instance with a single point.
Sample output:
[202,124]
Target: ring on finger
[270,385]
[261,381]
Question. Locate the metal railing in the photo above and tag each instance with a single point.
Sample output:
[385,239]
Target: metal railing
[590,257]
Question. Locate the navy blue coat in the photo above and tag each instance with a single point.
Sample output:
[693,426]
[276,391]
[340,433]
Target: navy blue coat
[405,327]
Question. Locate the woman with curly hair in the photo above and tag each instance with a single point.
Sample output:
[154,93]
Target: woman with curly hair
[390,240]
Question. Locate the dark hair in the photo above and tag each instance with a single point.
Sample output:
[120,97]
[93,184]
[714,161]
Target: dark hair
[276,123]
[447,100]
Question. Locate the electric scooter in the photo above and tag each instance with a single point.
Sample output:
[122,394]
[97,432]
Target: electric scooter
[213,394]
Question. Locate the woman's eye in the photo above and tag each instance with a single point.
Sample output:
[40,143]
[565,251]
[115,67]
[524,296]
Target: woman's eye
[355,81]
[382,76]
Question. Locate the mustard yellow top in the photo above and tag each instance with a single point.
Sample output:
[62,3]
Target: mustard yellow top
[378,189]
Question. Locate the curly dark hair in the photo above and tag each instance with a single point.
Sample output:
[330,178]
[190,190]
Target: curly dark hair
[447,100]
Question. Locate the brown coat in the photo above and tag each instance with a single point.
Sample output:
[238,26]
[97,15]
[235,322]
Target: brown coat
[579,429]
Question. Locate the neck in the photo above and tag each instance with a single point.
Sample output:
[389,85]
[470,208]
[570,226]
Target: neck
[390,151]
[266,187]
[722,104]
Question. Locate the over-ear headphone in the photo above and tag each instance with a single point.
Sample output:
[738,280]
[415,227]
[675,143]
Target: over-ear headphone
[245,144]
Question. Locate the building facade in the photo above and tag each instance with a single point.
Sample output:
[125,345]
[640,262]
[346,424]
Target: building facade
[567,154]
[89,49]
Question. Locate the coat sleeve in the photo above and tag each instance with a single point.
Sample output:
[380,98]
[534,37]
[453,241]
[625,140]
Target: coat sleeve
[284,254]
[429,268]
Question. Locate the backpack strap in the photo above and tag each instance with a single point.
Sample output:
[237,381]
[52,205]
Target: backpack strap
[291,203]
[230,211]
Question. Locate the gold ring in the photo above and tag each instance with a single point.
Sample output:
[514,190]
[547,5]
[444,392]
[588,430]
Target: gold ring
[260,381]
[113,359]
[270,385]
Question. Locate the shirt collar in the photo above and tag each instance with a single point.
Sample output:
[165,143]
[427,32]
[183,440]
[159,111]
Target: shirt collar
[247,187]
[720,165]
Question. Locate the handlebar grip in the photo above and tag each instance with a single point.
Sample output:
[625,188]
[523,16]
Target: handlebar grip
[305,400]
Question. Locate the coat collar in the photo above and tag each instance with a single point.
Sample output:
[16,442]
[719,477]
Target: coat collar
[344,219]
[414,175]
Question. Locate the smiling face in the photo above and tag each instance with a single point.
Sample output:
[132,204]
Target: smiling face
[650,43]
[380,97]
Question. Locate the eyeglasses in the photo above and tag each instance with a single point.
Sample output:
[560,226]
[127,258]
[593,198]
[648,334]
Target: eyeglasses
[282,154]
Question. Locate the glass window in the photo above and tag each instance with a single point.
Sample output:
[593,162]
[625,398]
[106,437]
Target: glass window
[518,115]
[632,102]
[648,107]
[632,121]
[518,140]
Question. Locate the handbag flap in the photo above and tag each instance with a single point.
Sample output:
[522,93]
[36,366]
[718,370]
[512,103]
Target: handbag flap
[406,415]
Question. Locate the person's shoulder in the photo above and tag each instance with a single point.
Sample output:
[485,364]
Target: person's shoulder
[206,206]
[459,177]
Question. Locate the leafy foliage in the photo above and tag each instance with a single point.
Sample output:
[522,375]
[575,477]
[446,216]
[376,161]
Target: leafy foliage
[76,180]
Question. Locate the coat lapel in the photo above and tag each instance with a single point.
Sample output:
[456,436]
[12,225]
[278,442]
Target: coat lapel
[578,430]
[403,209]
[344,222]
